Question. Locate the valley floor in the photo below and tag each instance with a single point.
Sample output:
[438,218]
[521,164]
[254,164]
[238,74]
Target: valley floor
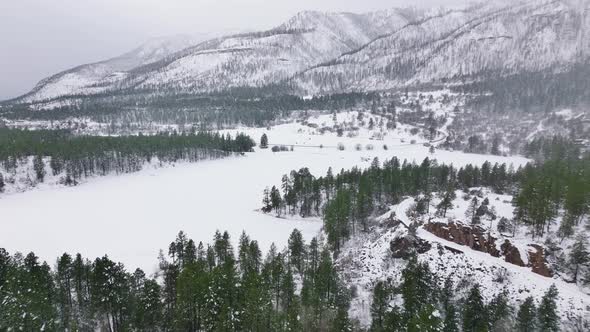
[129,217]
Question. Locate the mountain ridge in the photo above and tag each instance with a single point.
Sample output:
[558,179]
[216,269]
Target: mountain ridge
[316,53]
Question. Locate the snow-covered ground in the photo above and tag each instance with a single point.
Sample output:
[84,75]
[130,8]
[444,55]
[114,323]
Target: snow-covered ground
[130,217]
[367,259]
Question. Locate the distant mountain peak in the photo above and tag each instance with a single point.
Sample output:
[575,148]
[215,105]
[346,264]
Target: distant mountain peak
[320,53]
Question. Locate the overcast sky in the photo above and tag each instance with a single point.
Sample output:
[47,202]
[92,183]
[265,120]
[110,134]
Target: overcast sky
[42,37]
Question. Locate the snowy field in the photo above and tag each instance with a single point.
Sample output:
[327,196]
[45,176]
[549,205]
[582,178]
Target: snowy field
[131,217]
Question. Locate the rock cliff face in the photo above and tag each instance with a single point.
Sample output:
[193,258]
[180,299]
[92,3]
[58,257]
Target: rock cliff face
[476,238]
[511,253]
[537,261]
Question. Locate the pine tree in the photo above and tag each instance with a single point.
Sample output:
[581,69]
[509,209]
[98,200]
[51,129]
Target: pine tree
[341,321]
[450,322]
[417,290]
[277,270]
[446,201]
[427,320]
[191,288]
[110,293]
[266,202]
[64,283]
[39,167]
[276,200]
[296,247]
[364,203]
[472,210]
[264,141]
[380,306]
[326,286]
[496,145]
[336,219]
[27,294]
[148,316]
[2,184]
[526,318]
[474,312]
[579,255]
[547,313]
[394,320]
[500,313]
[576,200]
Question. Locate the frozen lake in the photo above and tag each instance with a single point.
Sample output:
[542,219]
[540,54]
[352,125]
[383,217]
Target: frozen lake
[131,217]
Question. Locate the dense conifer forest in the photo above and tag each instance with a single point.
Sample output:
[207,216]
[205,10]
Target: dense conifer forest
[209,288]
[82,156]
[246,108]
[559,179]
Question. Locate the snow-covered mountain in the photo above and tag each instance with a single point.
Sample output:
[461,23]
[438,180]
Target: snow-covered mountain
[269,57]
[321,53]
[97,77]
[464,44]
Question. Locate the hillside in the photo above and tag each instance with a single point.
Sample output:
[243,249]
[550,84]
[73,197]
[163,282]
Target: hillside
[463,45]
[98,77]
[325,53]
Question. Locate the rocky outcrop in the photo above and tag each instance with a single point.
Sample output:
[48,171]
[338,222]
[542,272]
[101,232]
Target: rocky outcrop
[537,261]
[403,247]
[473,237]
[511,253]
[476,238]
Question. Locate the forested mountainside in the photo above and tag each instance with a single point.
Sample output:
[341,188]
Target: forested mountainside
[245,60]
[460,46]
[322,53]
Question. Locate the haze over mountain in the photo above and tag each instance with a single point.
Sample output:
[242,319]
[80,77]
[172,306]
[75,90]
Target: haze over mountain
[318,52]
[42,38]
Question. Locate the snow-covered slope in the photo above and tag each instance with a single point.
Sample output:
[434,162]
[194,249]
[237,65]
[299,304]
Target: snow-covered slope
[368,258]
[475,43]
[259,59]
[321,53]
[98,77]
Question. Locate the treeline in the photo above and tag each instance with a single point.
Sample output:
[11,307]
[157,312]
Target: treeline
[83,156]
[209,288]
[542,91]
[197,288]
[559,180]
[347,200]
[244,107]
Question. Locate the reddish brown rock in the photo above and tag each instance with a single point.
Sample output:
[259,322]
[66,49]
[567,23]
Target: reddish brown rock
[537,261]
[473,237]
[476,239]
[511,253]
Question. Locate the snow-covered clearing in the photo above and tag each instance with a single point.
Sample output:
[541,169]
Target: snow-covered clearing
[130,217]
